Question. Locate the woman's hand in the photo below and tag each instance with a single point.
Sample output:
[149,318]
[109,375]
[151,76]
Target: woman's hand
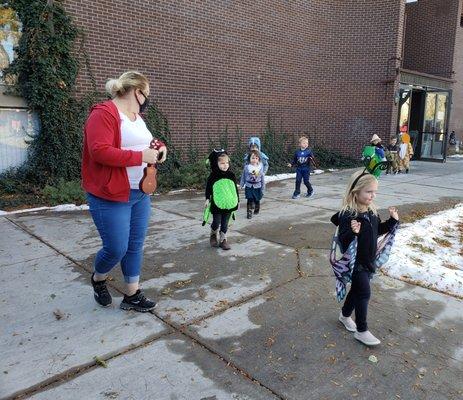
[163,151]
[150,156]
[394,213]
[206,203]
[355,225]
[289,165]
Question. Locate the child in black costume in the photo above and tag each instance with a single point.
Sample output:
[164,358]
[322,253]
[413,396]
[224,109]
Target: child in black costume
[221,196]
[359,217]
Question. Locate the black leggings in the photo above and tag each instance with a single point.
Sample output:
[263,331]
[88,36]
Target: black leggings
[220,220]
[357,299]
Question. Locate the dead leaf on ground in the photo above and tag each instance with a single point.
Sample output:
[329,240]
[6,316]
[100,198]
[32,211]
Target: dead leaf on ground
[180,284]
[59,314]
[100,362]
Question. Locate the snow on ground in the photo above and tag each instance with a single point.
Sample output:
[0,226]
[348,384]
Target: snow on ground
[456,156]
[429,252]
[61,207]
[281,177]
[278,177]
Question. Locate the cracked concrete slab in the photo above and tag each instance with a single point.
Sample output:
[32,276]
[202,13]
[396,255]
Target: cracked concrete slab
[51,323]
[16,246]
[311,356]
[75,234]
[170,368]
[190,279]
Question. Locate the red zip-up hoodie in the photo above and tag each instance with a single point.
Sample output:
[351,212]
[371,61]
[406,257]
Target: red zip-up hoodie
[104,163]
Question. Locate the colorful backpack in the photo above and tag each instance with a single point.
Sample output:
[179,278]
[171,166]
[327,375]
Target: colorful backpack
[343,263]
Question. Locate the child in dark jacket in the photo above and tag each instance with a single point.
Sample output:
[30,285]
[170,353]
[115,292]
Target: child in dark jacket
[252,180]
[222,195]
[392,156]
[359,217]
[301,161]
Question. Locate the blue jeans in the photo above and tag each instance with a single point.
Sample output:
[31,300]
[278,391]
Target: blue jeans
[302,174]
[122,227]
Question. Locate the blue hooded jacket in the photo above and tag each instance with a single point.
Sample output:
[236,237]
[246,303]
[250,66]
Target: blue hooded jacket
[263,157]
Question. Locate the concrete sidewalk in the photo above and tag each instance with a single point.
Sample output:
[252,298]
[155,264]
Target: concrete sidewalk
[257,322]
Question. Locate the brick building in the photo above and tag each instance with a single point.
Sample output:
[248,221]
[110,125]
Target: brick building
[336,70]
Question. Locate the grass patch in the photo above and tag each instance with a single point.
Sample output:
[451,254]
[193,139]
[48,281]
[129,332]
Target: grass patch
[450,266]
[415,215]
[422,248]
[442,242]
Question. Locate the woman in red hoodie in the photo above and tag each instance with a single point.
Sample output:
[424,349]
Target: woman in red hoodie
[116,149]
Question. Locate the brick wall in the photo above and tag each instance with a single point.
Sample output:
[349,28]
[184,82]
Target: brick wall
[430,36]
[314,67]
[456,116]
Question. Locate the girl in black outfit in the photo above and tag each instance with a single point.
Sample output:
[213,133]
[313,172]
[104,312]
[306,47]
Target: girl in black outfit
[359,217]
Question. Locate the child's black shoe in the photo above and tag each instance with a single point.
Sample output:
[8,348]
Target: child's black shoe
[249,211]
[137,302]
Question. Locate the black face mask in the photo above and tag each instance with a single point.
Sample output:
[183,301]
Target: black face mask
[143,106]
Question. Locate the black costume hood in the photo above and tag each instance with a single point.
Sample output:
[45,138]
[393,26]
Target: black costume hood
[214,157]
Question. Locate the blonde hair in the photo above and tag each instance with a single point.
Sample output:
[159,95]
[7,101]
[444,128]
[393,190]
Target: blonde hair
[128,80]
[349,202]
[223,157]
[303,138]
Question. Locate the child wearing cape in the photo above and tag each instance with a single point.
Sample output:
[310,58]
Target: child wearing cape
[359,218]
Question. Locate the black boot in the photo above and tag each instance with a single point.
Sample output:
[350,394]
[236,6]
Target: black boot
[257,208]
[249,210]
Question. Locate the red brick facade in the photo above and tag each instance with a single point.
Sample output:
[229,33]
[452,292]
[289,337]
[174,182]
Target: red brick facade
[434,45]
[316,67]
[456,117]
[430,36]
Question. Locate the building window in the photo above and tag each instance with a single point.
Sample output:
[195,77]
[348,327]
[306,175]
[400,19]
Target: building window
[10,31]
[16,126]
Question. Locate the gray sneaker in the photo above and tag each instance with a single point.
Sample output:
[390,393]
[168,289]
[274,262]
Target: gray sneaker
[367,338]
[348,323]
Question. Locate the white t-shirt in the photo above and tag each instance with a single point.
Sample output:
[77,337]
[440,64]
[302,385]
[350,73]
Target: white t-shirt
[134,136]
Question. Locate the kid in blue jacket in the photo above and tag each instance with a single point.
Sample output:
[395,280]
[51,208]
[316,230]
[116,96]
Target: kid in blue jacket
[301,161]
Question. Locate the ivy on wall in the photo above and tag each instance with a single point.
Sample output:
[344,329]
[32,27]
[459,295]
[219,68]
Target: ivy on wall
[44,73]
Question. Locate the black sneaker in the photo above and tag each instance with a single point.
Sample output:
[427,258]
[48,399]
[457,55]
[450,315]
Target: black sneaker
[137,302]
[101,294]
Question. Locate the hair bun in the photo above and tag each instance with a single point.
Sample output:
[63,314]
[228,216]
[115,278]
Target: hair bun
[113,87]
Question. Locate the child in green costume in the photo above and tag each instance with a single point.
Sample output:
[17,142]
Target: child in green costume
[221,197]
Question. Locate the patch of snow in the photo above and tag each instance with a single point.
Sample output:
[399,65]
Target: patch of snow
[61,207]
[429,253]
[279,177]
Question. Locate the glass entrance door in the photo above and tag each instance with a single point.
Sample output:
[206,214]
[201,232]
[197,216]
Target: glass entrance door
[434,125]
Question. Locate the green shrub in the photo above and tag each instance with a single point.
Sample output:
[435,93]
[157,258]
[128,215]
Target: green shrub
[332,159]
[188,175]
[64,192]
